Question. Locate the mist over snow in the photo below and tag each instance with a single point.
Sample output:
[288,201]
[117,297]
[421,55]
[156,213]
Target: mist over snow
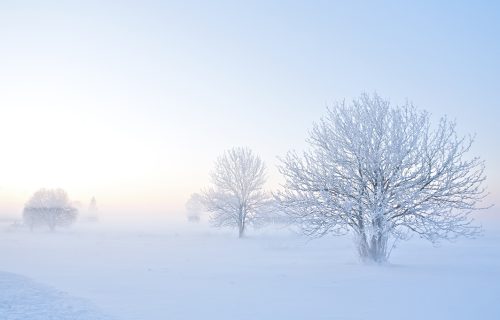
[161,269]
[249,160]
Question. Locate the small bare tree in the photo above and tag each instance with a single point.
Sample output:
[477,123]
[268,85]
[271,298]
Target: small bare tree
[383,172]
[50,207]
[236,196]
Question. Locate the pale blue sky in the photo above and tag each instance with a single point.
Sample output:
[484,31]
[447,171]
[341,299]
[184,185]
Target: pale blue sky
[132,101]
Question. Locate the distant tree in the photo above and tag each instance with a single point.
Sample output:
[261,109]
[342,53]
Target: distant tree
[383,173]
[92,210]
[194,207]
[50,207]
[93,205]
[236,194]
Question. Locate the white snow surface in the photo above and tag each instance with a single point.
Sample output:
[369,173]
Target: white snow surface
[22,299]
[174,272]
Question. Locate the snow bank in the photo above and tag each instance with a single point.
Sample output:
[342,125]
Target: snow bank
[22,299]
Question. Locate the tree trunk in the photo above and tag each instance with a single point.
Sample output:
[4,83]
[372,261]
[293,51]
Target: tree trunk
[241,223]
[241,230]
[374,250]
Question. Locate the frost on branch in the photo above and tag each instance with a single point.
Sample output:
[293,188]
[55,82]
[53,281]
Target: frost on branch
[383,173]
[236,196]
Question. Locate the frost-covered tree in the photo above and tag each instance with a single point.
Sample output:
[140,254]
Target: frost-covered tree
[50,207]
[383,173]
[194,207]
[236,194]
[93,206]
[93,210]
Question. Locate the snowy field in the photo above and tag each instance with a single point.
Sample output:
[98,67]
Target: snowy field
[175,271]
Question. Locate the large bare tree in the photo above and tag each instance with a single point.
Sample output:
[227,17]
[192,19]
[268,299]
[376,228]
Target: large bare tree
[236,194]
[383,173]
